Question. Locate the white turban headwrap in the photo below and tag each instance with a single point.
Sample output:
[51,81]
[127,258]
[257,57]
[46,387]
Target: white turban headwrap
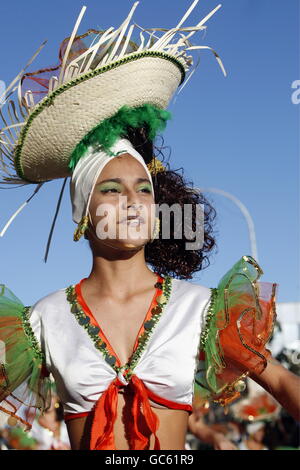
[87,172]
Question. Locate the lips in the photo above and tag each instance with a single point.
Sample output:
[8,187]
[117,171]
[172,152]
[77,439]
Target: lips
[132,220]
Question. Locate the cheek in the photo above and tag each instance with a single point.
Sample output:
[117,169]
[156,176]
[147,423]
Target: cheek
[103,207]
[148,206]
[150,213]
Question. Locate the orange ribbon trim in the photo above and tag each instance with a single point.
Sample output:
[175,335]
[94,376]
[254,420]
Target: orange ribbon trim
[105,414]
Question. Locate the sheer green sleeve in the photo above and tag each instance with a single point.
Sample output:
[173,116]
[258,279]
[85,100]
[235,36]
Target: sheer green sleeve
[239,322]
[25,386]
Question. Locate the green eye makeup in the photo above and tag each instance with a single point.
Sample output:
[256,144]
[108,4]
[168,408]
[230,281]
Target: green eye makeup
[113,186]
[109,186]
[145,187]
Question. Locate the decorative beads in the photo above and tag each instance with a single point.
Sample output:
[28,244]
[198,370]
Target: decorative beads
[209,316]
[149,325]
[81,228]
[239,386]
[84,321]
[30,334]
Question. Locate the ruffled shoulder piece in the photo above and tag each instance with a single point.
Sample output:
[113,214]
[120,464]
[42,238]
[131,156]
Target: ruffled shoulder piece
[238,324]
[25,385]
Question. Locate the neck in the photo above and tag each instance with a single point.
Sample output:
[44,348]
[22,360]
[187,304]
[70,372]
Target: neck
[122,267]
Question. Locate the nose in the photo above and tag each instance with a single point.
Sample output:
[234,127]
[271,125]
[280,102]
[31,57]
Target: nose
[131,201]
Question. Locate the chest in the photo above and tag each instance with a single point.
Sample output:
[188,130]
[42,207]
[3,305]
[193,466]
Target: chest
[121,322]
[165,358]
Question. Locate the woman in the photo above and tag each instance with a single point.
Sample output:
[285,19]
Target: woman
[49,430]
[121,262]
[101,402]
[127,339]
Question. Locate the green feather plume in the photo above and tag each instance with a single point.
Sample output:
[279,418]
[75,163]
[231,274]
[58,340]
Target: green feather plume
[108,131]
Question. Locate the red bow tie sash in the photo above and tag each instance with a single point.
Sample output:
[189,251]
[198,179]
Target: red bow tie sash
[105,414]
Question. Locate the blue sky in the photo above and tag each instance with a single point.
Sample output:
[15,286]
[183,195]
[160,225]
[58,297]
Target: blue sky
[239,134]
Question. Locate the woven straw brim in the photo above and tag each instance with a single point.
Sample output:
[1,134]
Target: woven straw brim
[60,121]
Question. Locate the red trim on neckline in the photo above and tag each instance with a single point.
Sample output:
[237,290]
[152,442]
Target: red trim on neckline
[94,322]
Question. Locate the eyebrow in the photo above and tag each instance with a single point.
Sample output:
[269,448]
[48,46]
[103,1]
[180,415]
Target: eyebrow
[119,180]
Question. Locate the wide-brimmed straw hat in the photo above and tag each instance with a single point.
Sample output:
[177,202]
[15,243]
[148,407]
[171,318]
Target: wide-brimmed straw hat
[105,82]
[99,73]
[261,407]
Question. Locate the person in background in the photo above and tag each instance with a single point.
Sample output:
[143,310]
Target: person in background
[49,429]
[206,433]
[255,433]
[16,438]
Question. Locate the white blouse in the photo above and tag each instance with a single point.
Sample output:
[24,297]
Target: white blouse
[166,366]
[173,365]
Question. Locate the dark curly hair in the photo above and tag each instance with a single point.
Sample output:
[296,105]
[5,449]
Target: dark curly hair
[170,256]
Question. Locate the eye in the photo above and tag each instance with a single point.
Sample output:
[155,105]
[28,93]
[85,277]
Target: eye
[111,190]
[145,189]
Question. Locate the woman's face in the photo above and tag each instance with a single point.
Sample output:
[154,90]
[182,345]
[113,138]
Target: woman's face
[122,208]
[259,435]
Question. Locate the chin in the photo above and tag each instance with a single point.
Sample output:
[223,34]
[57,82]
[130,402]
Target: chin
[131,244]
[115,246]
